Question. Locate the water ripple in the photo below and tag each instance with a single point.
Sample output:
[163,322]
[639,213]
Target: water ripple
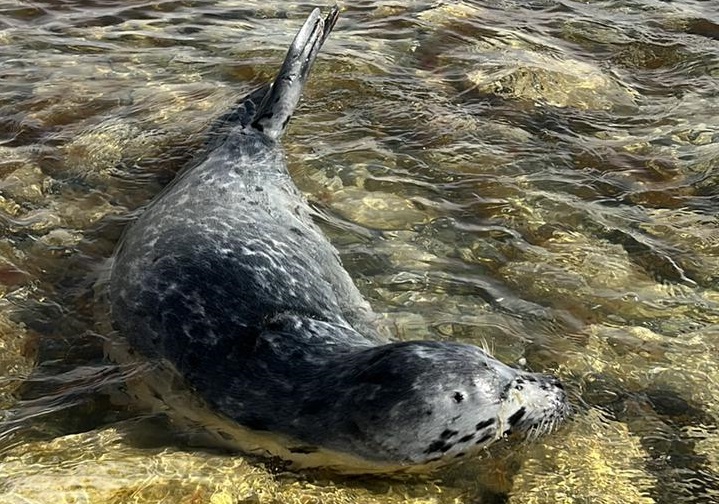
[538,177]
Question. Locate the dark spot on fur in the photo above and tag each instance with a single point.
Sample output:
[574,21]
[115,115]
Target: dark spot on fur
[375,375]
[434,459]
[466,438]
[482,425]
[259,126]
[458,397]
[517,416]
[354,428]
[313,407]
[483,439]
[428,412]
[448,433]
[258,189]
[460,454]
[303,449]
[435,446]
[193,359]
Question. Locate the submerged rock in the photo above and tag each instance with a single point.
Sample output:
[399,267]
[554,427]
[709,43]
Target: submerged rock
[594,460]
[16,359]
[528,75]
[377,210]
[108,469]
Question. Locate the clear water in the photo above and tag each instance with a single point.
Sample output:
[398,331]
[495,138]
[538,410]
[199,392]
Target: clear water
[541,177]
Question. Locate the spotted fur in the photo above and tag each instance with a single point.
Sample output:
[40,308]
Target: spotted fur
[226,278]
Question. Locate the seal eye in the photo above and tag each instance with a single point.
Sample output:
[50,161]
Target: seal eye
[458,397]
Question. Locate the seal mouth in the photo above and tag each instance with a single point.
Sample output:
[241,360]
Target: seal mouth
[521,427]
[545,425]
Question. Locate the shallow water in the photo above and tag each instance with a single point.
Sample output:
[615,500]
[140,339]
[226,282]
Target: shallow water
[539,177]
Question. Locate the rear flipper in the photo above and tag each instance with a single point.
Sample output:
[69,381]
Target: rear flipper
[270,107]
[274,112]
[243,114]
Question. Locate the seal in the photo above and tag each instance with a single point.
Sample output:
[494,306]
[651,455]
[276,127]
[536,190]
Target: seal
[226,280]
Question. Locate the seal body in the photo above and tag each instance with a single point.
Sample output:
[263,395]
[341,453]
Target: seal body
[226,279]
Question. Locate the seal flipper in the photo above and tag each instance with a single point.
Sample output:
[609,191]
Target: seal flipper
[243,114]
[280,102]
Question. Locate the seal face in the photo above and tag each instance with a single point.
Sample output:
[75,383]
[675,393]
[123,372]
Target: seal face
[227,280]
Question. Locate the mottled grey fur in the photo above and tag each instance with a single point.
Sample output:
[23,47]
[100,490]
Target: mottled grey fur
[226,276]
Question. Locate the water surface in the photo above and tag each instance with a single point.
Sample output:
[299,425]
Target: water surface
[540,177]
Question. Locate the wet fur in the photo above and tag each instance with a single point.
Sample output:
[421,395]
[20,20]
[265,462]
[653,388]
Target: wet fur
[226,277]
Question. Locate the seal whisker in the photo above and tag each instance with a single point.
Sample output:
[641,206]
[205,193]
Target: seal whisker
[485,346]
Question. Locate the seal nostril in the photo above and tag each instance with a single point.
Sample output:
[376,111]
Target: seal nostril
[458,397]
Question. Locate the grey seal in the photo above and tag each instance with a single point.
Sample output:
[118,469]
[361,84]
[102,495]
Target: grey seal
[226,279]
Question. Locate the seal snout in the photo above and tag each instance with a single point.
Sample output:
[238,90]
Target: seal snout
[534,404]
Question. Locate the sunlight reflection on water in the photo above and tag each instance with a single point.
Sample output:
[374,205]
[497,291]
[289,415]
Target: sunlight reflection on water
[540,177]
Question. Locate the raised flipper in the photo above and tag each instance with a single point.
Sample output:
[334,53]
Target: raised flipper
[274,112]
[242,115]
